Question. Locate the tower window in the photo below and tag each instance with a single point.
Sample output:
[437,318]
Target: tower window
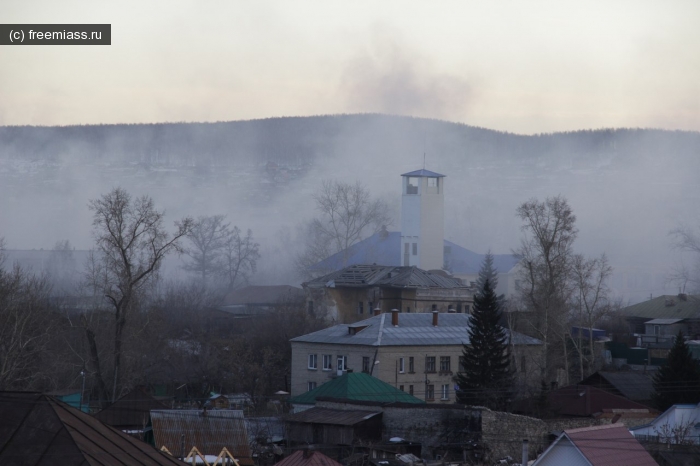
[432,182]
[412,185]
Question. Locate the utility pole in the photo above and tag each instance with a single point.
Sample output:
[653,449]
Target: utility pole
[82,374]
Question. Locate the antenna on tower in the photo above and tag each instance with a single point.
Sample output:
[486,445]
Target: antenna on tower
[423,160]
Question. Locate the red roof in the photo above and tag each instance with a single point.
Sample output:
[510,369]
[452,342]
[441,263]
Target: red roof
[313,458]
[610,445]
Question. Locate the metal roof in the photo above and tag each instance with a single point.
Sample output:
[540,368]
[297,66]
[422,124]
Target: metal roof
[663,321]
[634,385]
[313,458]
[665,307]
[414,329]
[38,429]
[209,432]
[385,248]
[362,275]
[609,445]
[356,386]
[424,172]
[337,417]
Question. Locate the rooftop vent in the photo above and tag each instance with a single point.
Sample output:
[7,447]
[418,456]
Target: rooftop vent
[670,302]
[395,317]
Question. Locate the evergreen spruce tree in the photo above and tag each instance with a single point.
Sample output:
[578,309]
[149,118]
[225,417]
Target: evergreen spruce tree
[486,379]
[678,381]
[487,272]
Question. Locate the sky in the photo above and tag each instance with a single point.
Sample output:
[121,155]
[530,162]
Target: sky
[524,67]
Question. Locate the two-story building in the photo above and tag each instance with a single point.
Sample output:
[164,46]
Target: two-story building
[418,353]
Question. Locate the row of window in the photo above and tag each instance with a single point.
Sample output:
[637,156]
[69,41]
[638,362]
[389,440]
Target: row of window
[341,362]
[430,391]
[430,364]
[370,307]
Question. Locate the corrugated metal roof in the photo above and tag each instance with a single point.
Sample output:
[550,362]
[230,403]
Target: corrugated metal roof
[610,445]
[314,458]
[385,248]
[362,275]
[210,433]
[665,307]
[424,172]
[664,321]
[37,429]
[585,400]
[357,386]
[414,329]
[333,416]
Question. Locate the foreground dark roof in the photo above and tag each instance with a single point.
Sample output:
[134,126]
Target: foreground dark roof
[36,429]
[635,385]
[130,411]
[338,417]
[414,329]
[609,445]
[586,400]
[314,458]
[357,386]
[385,275]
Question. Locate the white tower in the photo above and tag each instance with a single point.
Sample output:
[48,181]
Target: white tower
[423,219]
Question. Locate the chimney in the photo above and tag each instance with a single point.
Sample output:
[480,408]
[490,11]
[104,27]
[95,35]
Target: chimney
[435,318]
[377,310]
[395,317]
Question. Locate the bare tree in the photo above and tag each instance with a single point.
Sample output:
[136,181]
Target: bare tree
[347,214]
[687,239]
[208,240]
[546,255]
[591,301]
[241,254]
[25,324]
[132,243]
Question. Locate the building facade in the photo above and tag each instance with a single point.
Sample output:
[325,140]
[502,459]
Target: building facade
[419,353]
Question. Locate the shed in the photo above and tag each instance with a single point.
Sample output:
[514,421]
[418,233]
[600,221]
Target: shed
[334,426]
[130,413]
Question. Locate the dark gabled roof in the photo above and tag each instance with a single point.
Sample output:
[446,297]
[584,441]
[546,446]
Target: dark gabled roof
[665,307]
[36,429]
[209,432]
[356,386]
[385,248]
[424,172]
[338,417]
[132,410]
[586,400]
[609,445]
[314,458]
[414,329]
[262,295]
[634,385]
[383,275]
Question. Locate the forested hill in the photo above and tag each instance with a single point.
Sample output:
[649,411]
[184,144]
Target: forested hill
[302,140]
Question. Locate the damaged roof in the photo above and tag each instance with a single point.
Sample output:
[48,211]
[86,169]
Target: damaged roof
[384,275]
[339,417]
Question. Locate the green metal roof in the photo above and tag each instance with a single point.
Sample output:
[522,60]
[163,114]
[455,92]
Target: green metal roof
[666,307]
[356,386]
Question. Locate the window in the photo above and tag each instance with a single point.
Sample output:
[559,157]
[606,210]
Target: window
[360,308]
[342,363]
[310,386]
[410,365]
[412,185]
[432,182]
[445,392]
[405,254]
[435,307]
[657,330]
[410,389]
[415,249]
[401,387]
[313,361]
[401,366]
[370,307]
[408,308]
[445,364]
[365,364]
[430,364]
[430,392]
[327,362]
